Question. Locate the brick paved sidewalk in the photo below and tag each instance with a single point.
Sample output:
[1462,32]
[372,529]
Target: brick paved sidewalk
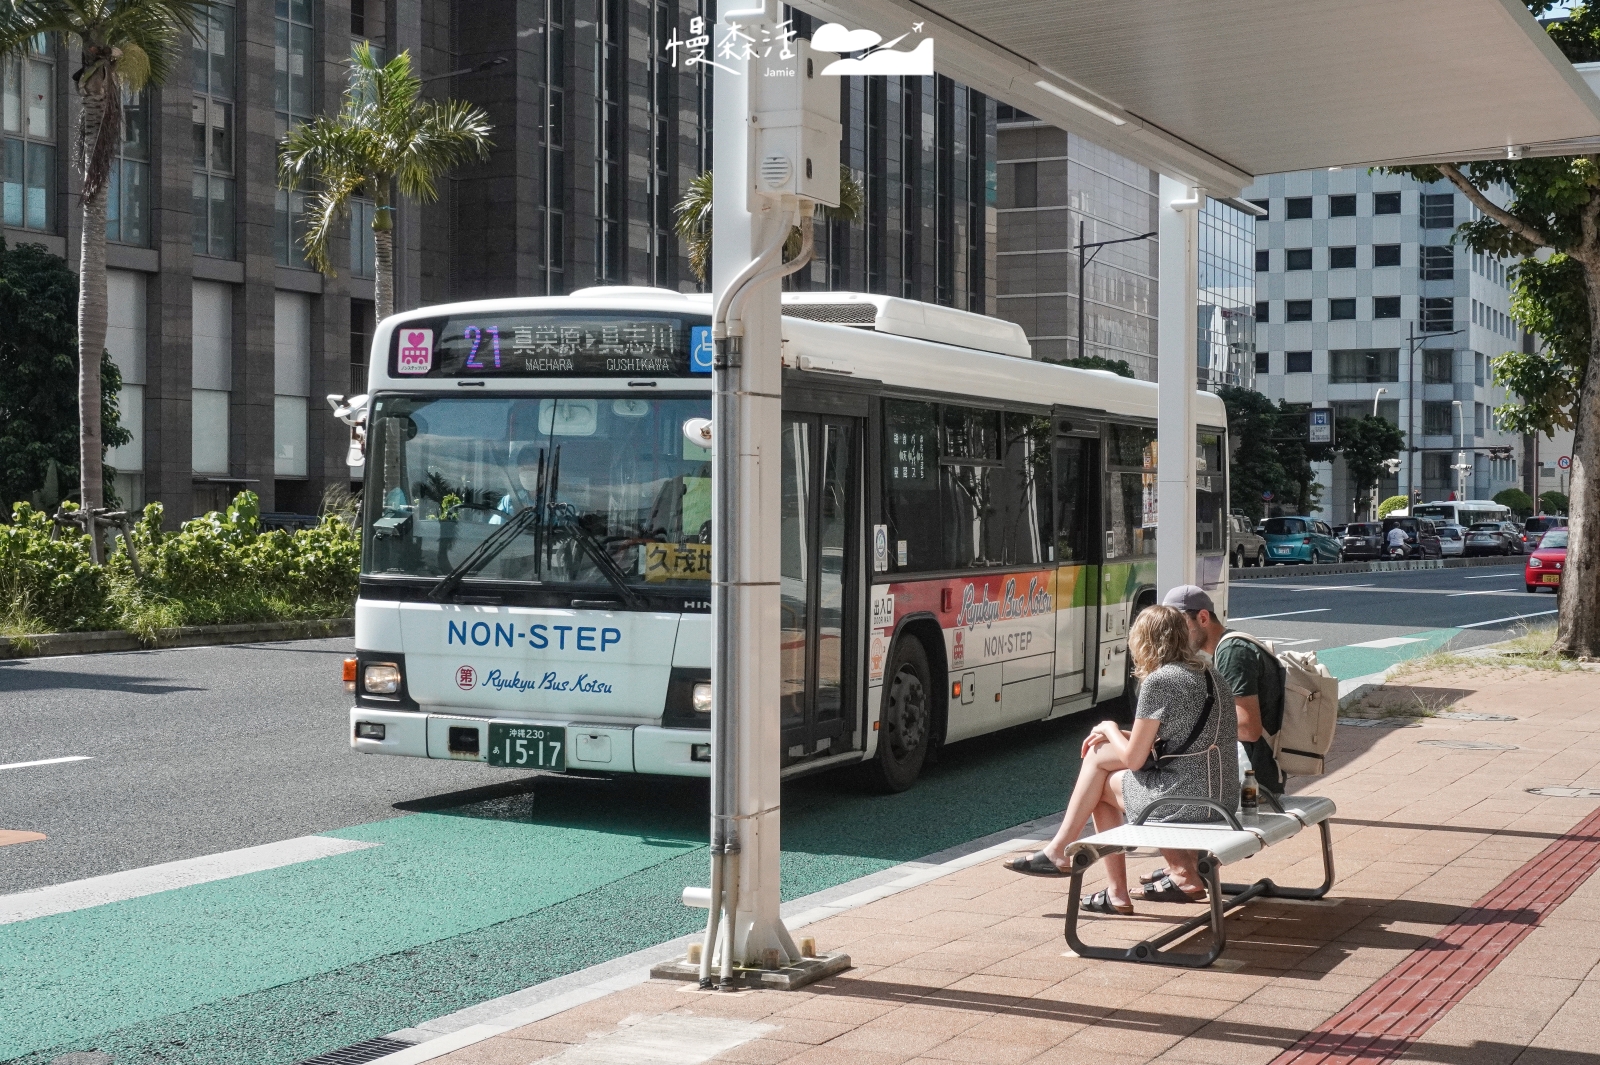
[1463,929]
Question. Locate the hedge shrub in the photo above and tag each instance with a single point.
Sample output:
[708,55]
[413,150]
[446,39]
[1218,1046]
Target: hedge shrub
[216,569]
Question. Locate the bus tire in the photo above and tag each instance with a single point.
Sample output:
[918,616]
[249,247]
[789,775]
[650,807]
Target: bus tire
[906,723]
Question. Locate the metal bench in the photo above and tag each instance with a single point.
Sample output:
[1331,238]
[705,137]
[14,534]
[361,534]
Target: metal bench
[1219,845]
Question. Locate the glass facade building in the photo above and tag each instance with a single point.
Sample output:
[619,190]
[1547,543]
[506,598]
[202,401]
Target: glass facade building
[1226,322]
[1054,186]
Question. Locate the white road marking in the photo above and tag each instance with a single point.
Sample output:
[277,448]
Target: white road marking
[1486,591]
[50,761]
[669,1039]
[1390,641]
[1291,643]
[1491,576]
[1285,614]
[1513,617]
[133,883]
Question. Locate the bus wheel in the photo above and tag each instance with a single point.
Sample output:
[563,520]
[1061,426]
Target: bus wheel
[907,719]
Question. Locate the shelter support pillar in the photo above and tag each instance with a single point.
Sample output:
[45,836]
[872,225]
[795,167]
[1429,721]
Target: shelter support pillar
[747,420]
[1177,362]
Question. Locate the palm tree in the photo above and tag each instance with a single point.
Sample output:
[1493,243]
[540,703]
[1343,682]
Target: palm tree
[383,138]
[693,224]
[126,45]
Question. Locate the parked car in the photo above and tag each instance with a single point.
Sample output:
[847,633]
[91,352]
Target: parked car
[1246,547]
[1300,540]
[1544,565]
[1536,527]
[1488,538]
[1422,536]
[1362,540]
[1452,541]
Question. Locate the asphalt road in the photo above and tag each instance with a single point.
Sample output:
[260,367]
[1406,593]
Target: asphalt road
[441,884]
[1336,614]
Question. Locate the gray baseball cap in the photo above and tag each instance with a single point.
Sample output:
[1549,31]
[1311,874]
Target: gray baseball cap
[1190,598]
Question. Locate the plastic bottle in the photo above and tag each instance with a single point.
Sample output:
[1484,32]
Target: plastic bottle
[1250,799]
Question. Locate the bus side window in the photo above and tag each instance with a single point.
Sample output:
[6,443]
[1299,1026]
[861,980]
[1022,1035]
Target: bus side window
[1075,466]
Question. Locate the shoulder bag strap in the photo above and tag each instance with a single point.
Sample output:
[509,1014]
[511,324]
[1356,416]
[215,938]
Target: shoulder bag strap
[1199,726]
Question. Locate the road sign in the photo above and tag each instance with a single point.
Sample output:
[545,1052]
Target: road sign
[1266,496]
[1565,462]
[1320,426]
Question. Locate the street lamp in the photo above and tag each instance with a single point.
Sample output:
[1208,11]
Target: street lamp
[1083,264]
[1461,464]
[1375,395]
[1393,466]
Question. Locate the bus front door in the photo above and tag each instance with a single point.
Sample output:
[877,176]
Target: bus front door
[818,577]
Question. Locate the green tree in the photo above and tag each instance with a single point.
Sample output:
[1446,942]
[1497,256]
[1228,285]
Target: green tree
[1517,500]
[1392,504]
[1554,503]
[1119,367]
[125,44]
[39,379]
[1550,208]
[1365,444]
[693,221]
[1255,468]
[385,139]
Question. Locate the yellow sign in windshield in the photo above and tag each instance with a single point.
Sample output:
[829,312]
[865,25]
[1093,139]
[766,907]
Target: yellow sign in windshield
[676,562]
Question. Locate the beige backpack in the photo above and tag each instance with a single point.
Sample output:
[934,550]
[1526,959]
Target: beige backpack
[1310,710]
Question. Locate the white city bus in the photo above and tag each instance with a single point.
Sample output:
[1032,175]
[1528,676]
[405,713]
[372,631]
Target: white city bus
[1464,512]
[965,532]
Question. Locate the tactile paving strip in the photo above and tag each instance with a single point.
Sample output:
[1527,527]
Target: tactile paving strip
[1392,1014]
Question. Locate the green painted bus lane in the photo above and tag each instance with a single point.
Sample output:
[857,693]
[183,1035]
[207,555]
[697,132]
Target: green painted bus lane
[461,905]
[1375,656]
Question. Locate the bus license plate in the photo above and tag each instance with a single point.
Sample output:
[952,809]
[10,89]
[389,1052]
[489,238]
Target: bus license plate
[528,747]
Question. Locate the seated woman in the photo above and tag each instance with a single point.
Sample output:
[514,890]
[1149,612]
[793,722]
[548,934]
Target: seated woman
[1188,707]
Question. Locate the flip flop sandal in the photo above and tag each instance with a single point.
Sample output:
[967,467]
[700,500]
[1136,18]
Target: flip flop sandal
[1036,864]
[1100,902]
[1167,890]
[1154,876]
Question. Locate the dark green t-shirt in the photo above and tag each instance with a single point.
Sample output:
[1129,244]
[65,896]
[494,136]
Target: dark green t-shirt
[1251,671]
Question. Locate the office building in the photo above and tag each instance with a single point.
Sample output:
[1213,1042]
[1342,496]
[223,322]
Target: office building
[1055,189]
[1362,299]
[228,343]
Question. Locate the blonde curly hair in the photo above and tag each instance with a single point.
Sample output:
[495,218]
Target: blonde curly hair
[1160,637]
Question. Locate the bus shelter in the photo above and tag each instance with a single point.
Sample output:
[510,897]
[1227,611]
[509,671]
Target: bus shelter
[1209,96]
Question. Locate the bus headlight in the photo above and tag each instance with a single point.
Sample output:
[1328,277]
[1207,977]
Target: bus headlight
[381,678]
[702,697]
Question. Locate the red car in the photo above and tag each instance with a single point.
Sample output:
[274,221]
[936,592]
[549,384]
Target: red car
[1547,561]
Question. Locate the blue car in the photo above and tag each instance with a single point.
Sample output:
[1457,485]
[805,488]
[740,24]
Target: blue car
[1304,541]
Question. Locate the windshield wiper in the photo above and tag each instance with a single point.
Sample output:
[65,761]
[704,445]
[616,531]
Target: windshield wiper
[563,516]
[481,555]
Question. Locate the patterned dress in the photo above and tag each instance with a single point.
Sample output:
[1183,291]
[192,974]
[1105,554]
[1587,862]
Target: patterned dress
[1175,696]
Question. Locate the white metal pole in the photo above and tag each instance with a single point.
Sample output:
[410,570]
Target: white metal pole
[746,417]
[1177,360]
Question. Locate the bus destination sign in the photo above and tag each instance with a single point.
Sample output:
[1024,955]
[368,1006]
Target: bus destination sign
[576,344]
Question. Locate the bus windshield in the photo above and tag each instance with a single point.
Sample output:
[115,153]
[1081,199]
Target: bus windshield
[606,471]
